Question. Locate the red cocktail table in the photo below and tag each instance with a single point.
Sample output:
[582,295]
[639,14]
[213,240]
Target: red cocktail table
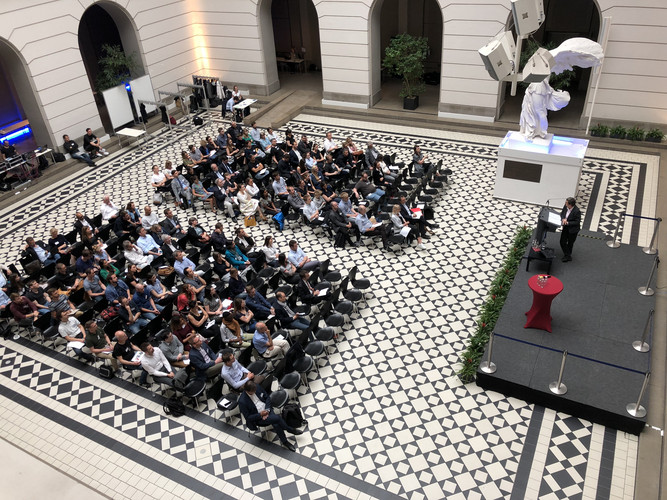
[539,315]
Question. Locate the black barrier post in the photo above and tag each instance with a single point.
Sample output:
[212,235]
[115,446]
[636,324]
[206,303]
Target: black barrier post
[488,366]
[558,387]
[641,345]
[647,290]
[636,409]
[651,250]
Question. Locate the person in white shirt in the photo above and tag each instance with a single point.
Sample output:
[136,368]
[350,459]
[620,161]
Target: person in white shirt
[299,259]
[158,179]
[135,255]
[72,331]
[155,363]
[330,145]
[270,252]
[149,219]
[108,209]
[311,211]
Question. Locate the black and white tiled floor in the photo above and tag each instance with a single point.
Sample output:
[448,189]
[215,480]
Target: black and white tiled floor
[387,415]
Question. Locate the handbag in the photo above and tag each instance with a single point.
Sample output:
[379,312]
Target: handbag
[109,313]
[165,270]
[249,221]
[106,372]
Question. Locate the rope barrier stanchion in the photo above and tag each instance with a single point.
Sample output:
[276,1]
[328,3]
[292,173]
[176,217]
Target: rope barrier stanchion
[651,250]
[488,366]
[558,387]
[613,243]
[647,290]
[641,345]
[636,409]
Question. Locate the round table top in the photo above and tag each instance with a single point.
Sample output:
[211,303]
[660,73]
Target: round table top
[553,286]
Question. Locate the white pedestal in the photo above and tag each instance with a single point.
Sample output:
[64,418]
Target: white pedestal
[538,171]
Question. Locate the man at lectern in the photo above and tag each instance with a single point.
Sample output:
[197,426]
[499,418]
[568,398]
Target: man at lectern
[571,222]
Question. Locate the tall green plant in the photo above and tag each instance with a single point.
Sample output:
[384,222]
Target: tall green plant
[405,57]
[557,82]
[115,67]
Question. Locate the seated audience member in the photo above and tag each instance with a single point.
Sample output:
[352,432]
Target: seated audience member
[58,243]
[182,330]
[270,251]
[212,302]
[341,224]
[23,310]
[330,146]
[93,285]
[199,237]
[145,303]
[82,221]
[366,226]
[248,205]
[287,269]
[346,164]
[122,226]
[305,291]
[235,257]
[258,304]
[185,297]
[235,374]
[299,259]
[371,154]
[135,255]
[279,186]
[236,283]
[255,404]
[159,180]
[181,262]
[108,210]
[131,277]
[37,296]
[197,282]
[287,317]
[106,270]
[169,248]
[218,238]
[157,290]
[173,350]
[204,361]
[422,225]
[88,238]
[267,346]
[311,212]
[155,364]
[92,144]
[124,351]
[37,250]
[115,290]
[72,148]
[231,333]
[346,207]
[150,218]
[367,189]
[97,343]
[135,216]
[266,204]
[182,190]
[198,319]
[171,224]
[198,192]
[421,165]
[130,315]
[222,200]
[243,315]
[399,223]
[60,303]
[84,262]
[221,266]
[72,331]
[294,199]
[147,244]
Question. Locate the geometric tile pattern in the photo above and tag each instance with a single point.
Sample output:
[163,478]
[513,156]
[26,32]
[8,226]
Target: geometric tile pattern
[387,409]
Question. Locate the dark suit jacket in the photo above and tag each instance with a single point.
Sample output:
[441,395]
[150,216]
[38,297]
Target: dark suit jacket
[219,195]
[284,168]
[294,159]
[194,239]
[573,221]
[281,314]
[337,220]
[78,225]
[304,293]
[248,408]
[213,176]
[168,227]
[197,361]
[168,252]
[30,252]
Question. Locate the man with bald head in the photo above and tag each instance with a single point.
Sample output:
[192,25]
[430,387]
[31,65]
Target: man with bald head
[266,346]
[124,351]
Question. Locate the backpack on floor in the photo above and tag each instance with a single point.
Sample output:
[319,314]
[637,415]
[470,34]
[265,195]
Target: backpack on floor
[292,415]
[174,406]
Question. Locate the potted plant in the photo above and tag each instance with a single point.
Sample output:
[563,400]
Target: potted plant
[618,132]
[116,67]
[635,134]
[600,131]
[405,57]
[654,135]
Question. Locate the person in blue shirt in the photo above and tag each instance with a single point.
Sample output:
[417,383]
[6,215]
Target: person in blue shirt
[299,259]
[147,243]
[115,290]
[258,304]
[143,300]
[266,345]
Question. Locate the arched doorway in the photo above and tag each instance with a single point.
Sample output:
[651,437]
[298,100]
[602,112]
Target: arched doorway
[106,23]
[296,37]
[559,25]
[19,106]
[416,17]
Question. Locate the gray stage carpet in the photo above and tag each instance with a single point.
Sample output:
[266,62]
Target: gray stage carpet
[598,315]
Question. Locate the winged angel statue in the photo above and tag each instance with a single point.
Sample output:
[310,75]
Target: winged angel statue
[541,97]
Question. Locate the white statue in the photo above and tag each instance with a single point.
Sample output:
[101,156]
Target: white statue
[540,97]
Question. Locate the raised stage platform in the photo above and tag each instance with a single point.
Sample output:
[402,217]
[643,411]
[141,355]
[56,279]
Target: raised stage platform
[597,316]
